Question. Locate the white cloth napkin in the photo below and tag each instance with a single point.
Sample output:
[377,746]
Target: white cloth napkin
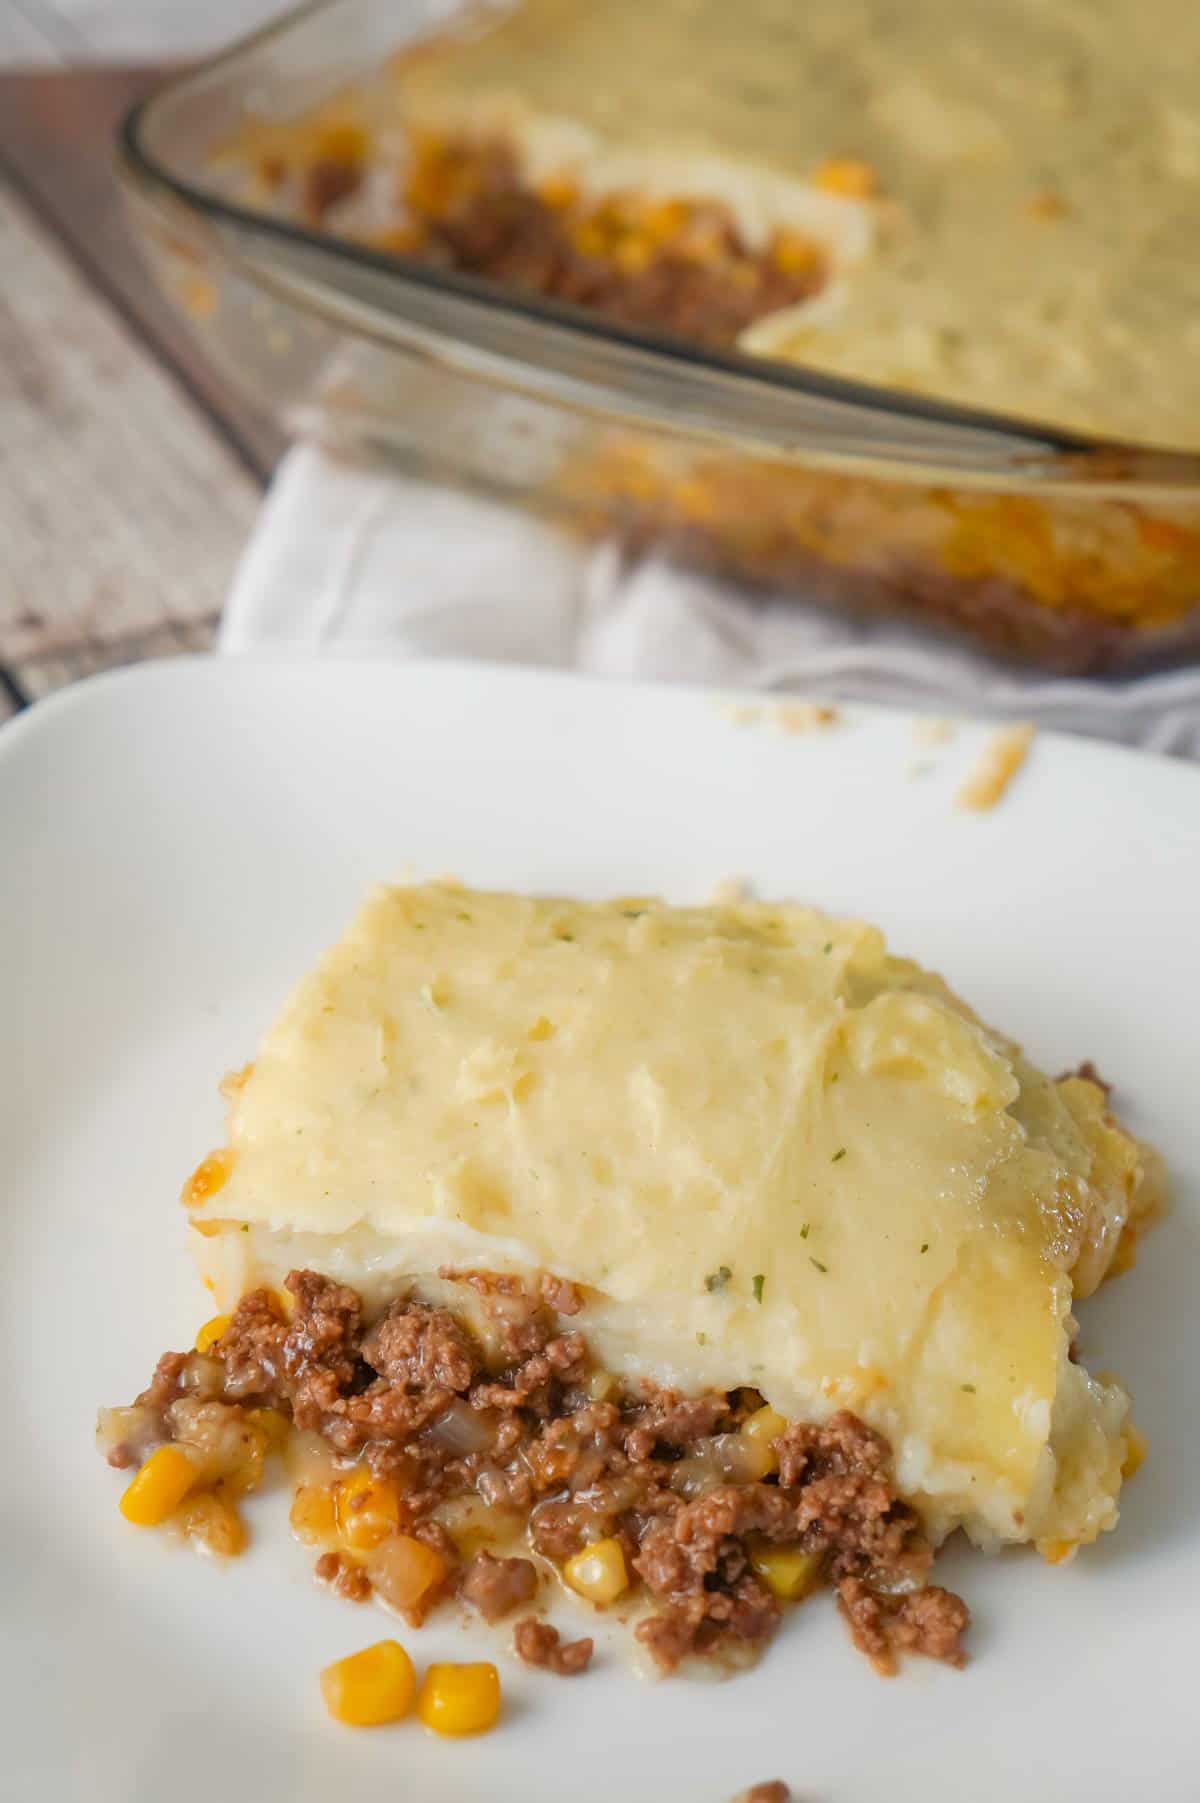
[352,559]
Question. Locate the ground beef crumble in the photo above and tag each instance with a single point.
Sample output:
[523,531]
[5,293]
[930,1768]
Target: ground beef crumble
[505,1413]
[497,1586]
[344,1577]
[537,1643]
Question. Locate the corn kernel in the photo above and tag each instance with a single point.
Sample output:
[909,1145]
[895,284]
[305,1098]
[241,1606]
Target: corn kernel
[792,252]
[1136,1448]
[787,1571]
[598,1572]
[211,1332]
[1056,1552]
[342,141]
[274,1424]
[158,1488]
[847,176]
[312,1514]
[370,1687]
[214,1524]
[368,1509]
[759,1434]
[558,191]
[459,1699]
[209,1176]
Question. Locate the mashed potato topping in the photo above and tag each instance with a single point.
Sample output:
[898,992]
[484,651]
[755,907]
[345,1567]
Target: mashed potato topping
[768,1151]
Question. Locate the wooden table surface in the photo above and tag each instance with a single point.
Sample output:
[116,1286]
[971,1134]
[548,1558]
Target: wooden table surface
[130,473]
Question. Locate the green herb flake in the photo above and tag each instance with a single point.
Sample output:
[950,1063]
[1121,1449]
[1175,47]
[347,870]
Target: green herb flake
[465,917]
[245,1226]
[702,1339]
[969,1388]
[804,1231]
[757,1286]
[817,1265]
[838,1155]
[716,1280]
[828,947]
[925,1247]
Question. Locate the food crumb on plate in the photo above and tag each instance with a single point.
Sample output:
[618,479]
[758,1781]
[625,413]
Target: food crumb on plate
[796,717]
[933,730]
[1003,756]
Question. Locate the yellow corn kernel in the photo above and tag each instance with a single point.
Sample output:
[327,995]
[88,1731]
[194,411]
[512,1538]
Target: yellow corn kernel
[459,1699]
[633,254]
[759,1433]
[214,1524]
[370,1687]
[312,1514]
[787,1571]
[792,252]
[1136,1448]
[558,191]
[211,1332]
[848,176]
[368,1509]
[209,1176]
[158,1488]
[342,141]
[1056,1552]
[598,1571]
[273,1424]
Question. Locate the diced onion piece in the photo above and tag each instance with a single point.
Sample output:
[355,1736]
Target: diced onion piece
[404,1570]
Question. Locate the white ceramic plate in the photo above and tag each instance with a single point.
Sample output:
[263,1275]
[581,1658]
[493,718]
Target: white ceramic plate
[178,843]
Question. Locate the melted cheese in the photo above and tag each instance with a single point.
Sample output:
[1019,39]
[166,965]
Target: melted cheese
[770,1152]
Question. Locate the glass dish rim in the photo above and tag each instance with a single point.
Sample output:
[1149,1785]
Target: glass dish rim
[1033,456]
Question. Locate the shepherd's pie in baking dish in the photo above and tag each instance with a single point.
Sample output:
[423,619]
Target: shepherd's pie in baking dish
[690,1240]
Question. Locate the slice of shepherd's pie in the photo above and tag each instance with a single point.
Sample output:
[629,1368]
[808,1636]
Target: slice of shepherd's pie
[693,1255]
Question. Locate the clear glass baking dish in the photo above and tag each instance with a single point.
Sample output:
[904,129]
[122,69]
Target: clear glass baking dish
[1051,549]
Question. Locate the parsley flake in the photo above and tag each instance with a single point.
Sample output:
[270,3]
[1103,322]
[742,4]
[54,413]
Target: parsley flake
[702,1339]
[757,1286]
[840,1153]
[828,947]
[716,1280]
[925,1247]
[804,1231]
[817,1265]
[969,1388]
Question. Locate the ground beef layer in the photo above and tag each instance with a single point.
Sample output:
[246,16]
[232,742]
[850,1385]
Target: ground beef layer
[515,1419]
[680,266]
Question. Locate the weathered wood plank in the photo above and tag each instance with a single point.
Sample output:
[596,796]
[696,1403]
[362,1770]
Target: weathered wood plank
[40,675]
[56,130]
[121,513]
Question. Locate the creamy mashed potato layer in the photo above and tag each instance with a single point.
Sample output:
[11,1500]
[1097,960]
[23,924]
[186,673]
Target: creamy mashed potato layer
[1038,162]
[769,1152]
